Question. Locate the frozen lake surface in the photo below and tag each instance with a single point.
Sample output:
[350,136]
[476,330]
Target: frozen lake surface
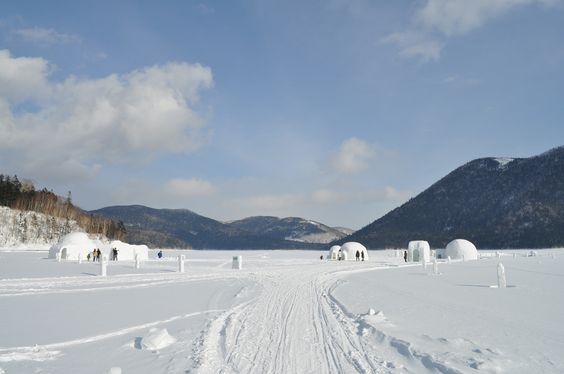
[284,312]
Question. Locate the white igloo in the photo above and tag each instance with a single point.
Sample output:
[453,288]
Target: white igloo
[461,249]
[334,252]
[417,249]
[71,245]
[129,251]
[348,250]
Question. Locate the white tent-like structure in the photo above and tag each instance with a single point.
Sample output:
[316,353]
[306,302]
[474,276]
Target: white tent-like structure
[348,250]
[417,249]
[461,249]
[129,251]
[70,246]
[334,252]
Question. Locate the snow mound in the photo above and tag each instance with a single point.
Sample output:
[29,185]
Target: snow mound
[115,370]
[461,249]
[157,339]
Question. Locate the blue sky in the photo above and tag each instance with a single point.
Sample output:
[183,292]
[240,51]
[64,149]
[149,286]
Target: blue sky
[335,110]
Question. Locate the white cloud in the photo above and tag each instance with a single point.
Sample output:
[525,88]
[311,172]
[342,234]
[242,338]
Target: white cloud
[438,20]
[120,118]
[22,78]
[354,156]
[187,188]
[44,37]
[414,44]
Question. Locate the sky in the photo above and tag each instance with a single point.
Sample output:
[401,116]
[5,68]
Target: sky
[334,110]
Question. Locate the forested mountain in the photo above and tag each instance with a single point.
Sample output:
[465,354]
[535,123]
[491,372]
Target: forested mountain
[493,202]
[290,228]
[182,228]
[23,197]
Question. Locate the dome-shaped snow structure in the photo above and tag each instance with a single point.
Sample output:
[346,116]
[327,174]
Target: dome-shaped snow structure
[71,245]
[334,252]
[349,249]
[461,249]
[418,249]
[129,251]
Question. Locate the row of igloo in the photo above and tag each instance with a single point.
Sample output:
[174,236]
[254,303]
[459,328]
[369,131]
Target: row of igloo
[76,244]
[458,249]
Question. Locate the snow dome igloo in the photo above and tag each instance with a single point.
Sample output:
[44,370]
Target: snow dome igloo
[129,251]
[349,249]
[461,249]
[71,245]
[334,252]
[417,249]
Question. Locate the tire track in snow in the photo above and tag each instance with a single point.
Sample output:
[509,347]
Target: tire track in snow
[290,327]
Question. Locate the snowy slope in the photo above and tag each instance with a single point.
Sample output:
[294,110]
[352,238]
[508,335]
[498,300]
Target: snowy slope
[285,312]
[31,230]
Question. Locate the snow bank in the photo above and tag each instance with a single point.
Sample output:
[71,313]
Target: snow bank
[349,250]
[417,249]
[157,339]
[461,249]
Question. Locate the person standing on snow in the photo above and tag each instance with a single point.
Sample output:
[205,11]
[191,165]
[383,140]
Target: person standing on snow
[357,255]
[362,255]
[405,256]
[160,254]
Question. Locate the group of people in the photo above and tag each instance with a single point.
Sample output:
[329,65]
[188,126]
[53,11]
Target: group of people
[359,254]
[95,255]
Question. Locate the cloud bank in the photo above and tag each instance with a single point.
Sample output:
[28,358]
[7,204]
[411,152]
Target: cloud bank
[68,129]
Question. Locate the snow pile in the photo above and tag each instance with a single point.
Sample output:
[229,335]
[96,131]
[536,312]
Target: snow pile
[30,229]
[129,251]
[461,249]
[417,249]
[72,245]
[349,250]
[157,339]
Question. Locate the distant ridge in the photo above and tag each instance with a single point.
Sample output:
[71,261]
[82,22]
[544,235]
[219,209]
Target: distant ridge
[494,202]
[182,228]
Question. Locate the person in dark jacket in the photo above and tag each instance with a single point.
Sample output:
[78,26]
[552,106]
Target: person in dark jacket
[357,255]
[362,255]
[160,254]
[405,256]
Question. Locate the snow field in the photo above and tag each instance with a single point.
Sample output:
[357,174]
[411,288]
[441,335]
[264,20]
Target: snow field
[284,312]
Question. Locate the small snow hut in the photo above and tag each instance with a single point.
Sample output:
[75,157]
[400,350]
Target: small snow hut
[334,252]
[417,249]
[129,251]
[461,249]
[349,249]
[72,245]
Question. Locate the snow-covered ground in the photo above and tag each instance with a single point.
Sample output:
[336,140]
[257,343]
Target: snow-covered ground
[284,312]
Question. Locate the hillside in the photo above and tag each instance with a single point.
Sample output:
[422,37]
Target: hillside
[31,216]
[290,228]
[182,228]
[494,202]
[30,229]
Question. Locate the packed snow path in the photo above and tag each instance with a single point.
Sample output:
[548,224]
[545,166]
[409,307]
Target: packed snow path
[293,326]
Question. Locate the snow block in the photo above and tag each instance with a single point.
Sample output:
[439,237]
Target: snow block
[157,339]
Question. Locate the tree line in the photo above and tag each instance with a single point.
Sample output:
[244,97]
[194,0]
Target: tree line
[22,195]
